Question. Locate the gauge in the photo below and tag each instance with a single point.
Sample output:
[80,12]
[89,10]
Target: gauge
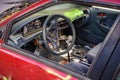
[25,29]
[32,26]
[37,23]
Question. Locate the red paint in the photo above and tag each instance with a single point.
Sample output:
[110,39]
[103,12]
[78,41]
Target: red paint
[19,67]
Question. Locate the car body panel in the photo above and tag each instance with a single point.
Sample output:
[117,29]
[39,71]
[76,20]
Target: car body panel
[18,67]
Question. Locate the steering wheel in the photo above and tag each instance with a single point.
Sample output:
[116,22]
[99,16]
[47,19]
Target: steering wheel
[56,40]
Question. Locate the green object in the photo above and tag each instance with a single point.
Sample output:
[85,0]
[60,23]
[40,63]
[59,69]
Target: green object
[74,14]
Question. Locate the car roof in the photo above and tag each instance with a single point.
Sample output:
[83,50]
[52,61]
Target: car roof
[110,1]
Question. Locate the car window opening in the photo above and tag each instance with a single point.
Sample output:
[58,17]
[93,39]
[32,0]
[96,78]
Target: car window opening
[70,34]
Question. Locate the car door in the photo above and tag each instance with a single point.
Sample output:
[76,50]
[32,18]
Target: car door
[17,64]
[107,60]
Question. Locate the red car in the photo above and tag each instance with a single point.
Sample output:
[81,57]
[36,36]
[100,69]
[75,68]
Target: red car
[61,40]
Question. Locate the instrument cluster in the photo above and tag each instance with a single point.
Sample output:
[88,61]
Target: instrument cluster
[33,25]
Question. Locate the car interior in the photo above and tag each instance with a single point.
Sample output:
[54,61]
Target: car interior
[70,34]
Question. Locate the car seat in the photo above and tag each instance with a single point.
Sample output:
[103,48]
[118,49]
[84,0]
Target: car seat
[81,67]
